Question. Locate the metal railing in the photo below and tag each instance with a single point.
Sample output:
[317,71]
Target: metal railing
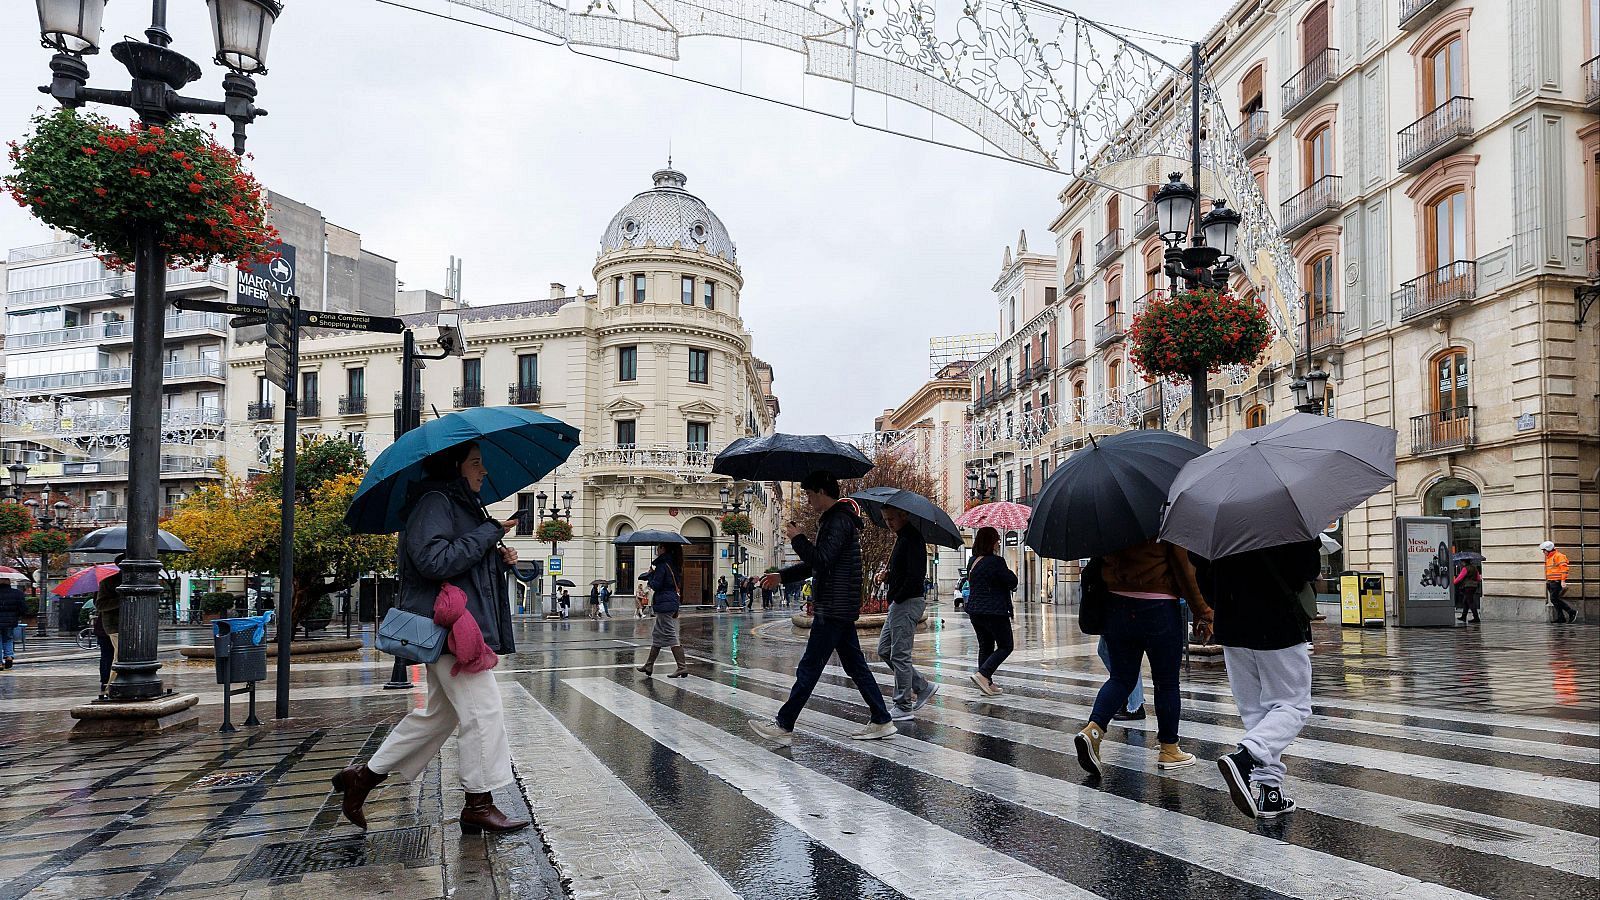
[468,396]
[523,394]
[170,465]
[1003,390]
[1320,199]
[113,286]
[1591,81]
[1108,330]
[662,457]
[98,515]
[1144,220]
[1308,83]
[1077,276]
[310,408]
[1251,134]
[1411,12]
[1025,373]
[1325,330]
[48,251]
[1447,429]
[1146,399]
[259,411]
[1041,368]
[353,406]
[1108,247]
[66,423]
[1074,354]
[1438,291]
[1591,249]
[192,368]
[1144,299]
[1448,124]
[421,400]
[94,378]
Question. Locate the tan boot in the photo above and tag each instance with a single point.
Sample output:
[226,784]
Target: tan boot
[480,814]
[356,782]
[1087,742]
[1173,757]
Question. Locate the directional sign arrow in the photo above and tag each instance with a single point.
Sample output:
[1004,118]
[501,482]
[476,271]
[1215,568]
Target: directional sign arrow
[351,321]
[233,309]
[247,321]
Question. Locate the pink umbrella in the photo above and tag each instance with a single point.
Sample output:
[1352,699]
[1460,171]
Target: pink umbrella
[85,581]
[999,515]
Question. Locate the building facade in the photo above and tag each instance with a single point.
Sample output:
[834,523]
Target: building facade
[654,367]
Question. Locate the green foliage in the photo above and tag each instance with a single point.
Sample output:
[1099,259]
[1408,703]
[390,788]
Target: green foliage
[737,524]
[552,531]
[218,603]
[319,458]
[49,541]
[14,519]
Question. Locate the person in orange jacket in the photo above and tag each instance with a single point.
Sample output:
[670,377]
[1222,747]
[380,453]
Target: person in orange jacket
[1555,581]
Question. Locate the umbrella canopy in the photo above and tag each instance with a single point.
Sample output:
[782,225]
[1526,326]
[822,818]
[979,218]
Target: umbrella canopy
[789,457]
[1467,556]
[1108,496]
[85,581]
[931,522]
[1277,484]
[650,536]
[519,447]
[563,582]
[999,515]
[114,539]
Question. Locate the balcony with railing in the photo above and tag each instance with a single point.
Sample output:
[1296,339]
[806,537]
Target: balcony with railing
[310,408]
[1143,300]
[1447,429]
[48,251]
[421,400]
[689,459]
[1416,13]
[1591,249]
[1324,331]
[260,411]
[1253,133]
[1108,330]
[1447,128]
[1591,82]
[1144,221]
[113,287]
[1074,354]
[1313,80]
[90,379]
[1025,374]
[1440,292]
[1076,277]
[468,397]
[1145,400]
[67,424]
[1004,389]
[1312,206]
[1108,248]
[1040,368]
[523,394]
[170,465]
[97,516]
[353,406]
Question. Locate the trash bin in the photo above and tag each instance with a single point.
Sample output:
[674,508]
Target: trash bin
[1361,598]
[241,651]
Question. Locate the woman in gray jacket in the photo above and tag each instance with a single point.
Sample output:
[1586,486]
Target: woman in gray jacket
[449,538]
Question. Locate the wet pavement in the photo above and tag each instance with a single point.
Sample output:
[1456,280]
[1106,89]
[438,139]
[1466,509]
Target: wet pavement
[1438,763]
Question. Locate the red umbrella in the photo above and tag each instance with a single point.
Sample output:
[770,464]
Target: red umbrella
[85,581]
[999,515]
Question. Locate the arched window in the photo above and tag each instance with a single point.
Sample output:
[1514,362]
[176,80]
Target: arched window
[1314,33]
[1458,501]
[1113,214]
[1114,295]
[1255,416]
[1446,228]
[1451,384]
[1318,153]
[1077,318]
[1077,401]
[1320,284]
[1114,380]
[1077,250]
[1154,262]
[1250,89]
[1443,72]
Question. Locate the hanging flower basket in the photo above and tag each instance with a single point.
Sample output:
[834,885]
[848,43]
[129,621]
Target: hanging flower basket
[82,174]
[737,525]
[554,531]
[1177,335]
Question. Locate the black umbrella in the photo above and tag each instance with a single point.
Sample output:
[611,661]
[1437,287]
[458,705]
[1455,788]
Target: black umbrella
[1108,495]
[933,523]
[114,539]
[650,536]
[1278,484]
[1467,556]
[789,457]
[564,582]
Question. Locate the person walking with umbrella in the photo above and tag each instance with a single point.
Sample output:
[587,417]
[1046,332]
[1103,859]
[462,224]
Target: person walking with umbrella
[991,583]
[13,606]
[666,580]
[1469,585]
[903,586]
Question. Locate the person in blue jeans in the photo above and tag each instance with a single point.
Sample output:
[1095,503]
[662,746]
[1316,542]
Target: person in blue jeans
[13,606]
[1134,710]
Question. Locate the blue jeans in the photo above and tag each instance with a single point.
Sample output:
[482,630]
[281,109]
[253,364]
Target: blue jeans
[1136,698]
[829,636]
[8,638]
[1133,629]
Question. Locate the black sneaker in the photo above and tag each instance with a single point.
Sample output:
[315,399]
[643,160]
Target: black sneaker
[1272,803]
[1236,768]
[1123,715]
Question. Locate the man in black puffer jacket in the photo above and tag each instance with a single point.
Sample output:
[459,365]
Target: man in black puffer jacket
[833,564]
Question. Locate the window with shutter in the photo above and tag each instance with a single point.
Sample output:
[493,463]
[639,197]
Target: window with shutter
[1314,33]
[1250,90]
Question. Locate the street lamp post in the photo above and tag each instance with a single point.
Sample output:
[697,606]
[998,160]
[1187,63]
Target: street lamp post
[46,518]
[983,486]
[554,512]
[740,504]
[1310,389]
[241,30]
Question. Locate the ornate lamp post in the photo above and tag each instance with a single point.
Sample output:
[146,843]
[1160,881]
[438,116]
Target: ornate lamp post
[551,512]
[241,31]
[1309,391]
[983,486]
[736,505]
[46,518]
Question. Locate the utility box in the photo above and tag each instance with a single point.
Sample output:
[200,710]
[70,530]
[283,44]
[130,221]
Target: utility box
[1361,599]
[1424,595]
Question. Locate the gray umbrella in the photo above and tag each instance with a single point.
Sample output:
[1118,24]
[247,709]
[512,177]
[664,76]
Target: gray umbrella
[650,536]
[1277,484]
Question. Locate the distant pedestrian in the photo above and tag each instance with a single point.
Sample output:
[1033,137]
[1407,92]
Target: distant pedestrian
[1556,566]
[448,540]
[1259,601]
[722,592]
[565,603]
[107,620]
[834,564]
[990,583]
[666,580]
[1141,586]
[13,606]
[641,597]
[904,588]
[594,600]
[1469,590]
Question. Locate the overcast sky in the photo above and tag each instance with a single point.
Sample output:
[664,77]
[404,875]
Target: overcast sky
[433,138]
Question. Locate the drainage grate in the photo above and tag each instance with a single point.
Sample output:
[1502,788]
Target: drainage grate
[402,846]
[1463,828]
[228,780]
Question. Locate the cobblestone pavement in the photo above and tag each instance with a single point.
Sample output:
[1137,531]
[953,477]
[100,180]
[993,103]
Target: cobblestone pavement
[1438,763]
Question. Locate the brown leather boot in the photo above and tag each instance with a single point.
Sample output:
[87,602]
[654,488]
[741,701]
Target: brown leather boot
[356,782]
[480,814]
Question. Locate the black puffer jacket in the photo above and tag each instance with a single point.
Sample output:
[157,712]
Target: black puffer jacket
[833,562]
[992,582]
[13,606]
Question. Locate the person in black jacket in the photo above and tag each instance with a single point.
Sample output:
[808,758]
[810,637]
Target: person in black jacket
[904,585]
[13,606]
[1260,621]
[991,582]
[834,565]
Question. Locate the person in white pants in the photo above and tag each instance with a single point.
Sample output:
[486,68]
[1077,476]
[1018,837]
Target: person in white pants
[1272,689]
[469,701]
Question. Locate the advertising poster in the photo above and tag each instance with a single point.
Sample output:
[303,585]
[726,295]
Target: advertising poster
[1426,595]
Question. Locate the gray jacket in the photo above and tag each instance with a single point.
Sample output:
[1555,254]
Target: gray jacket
[448,537]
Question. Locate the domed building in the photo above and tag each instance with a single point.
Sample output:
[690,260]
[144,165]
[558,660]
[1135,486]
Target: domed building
[654,366]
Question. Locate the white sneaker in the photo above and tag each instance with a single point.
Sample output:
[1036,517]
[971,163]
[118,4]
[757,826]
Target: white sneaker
[900,714]
[876,732]
[771,732]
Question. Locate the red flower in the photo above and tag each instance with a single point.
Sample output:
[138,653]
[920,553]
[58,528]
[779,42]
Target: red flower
[195,188]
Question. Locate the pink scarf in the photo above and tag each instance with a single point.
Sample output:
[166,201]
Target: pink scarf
[466,638]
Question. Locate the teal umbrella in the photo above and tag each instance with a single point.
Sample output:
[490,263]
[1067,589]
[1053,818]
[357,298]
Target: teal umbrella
[519,447]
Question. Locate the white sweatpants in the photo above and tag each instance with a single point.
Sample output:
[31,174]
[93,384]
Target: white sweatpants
[469,702]
[1272,689]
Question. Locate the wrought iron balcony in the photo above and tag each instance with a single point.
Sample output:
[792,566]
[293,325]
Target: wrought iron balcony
[1143,300]
[523,394]
[1446,128]
[1416,13]
[353,406]
[1324,331]
[310,408]
[259,411]
[1004,390]
[1041,368]
[1074,354]
[1077,276]
[689,458]
[1252,133]
[1440,292]
[421,400]
[1447,429]
[468,396]
[1108,248]
[1144,220]
[1146,400]
[1025,374]
[1313,80]
[1108,330]
[1591,82]
[1310,207]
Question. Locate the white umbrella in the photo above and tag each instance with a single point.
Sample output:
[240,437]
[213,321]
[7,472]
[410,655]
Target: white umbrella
[1329,545]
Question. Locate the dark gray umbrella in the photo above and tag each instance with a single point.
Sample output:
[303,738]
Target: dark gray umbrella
[933,523]
[1108,496]
[650,536]
[789,457]
[114,539]
[1277,484]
